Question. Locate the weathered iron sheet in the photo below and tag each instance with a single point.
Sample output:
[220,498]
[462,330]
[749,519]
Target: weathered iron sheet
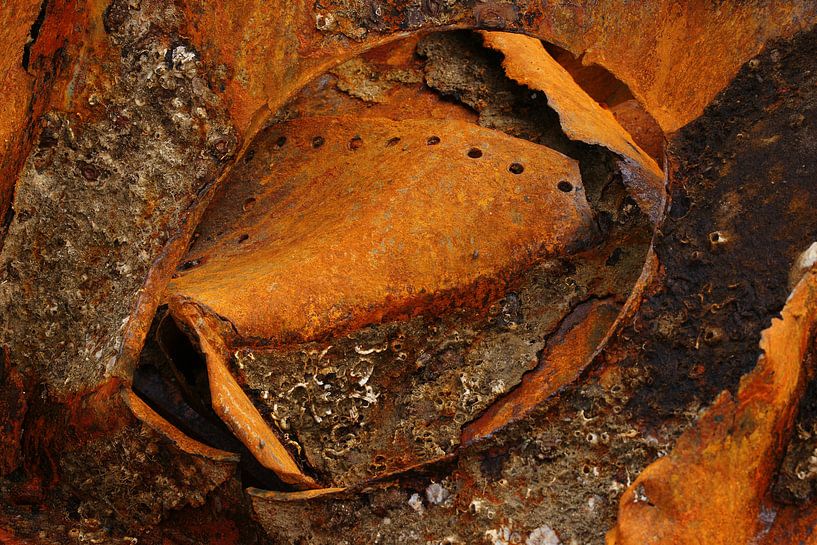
[358,220]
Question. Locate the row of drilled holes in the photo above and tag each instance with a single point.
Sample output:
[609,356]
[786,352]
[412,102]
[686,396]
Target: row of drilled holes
[356,142]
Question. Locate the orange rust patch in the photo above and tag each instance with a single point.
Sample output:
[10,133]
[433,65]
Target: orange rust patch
[17,85]
[381,219]
[642,127]
[711,487]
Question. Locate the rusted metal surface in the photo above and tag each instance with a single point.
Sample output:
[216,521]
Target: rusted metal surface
[711,487]
[305,243]
[65,282]
[793,525]
[77,173]
[15,25]
[581,338]
[358,220]
[232,405]
[293,496]
[527,62]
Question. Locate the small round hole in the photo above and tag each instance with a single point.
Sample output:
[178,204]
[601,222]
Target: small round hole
[516,168]
[392,141]
[355,143]
[565,186]
[317,142]
[243,237]
[474,153]
[280,142]
[248,204]
[433,140]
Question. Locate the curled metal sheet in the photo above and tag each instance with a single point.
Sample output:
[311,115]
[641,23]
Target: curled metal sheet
[527,62]
[146,414]
[366,277]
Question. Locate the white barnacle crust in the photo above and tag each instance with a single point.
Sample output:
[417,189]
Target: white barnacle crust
[544,535]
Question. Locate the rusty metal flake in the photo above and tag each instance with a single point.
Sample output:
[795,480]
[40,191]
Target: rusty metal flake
[233,406]
[582,118]
[357,220]
[299,495]
[155,421]
[710,488]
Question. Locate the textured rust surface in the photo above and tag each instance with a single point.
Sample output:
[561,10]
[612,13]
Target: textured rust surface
[381,219]
[358,348]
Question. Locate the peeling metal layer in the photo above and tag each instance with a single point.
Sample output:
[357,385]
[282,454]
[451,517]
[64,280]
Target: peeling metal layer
[582,118]
[361,219]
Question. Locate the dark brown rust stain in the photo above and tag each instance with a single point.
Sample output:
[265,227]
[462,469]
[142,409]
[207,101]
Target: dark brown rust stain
[13,406]
[745,170]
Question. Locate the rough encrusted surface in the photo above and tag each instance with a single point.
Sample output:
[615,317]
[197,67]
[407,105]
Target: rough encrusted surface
[98,199]
[134,478]
[563,469]
[394,395]
[796,481]
[743,197]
